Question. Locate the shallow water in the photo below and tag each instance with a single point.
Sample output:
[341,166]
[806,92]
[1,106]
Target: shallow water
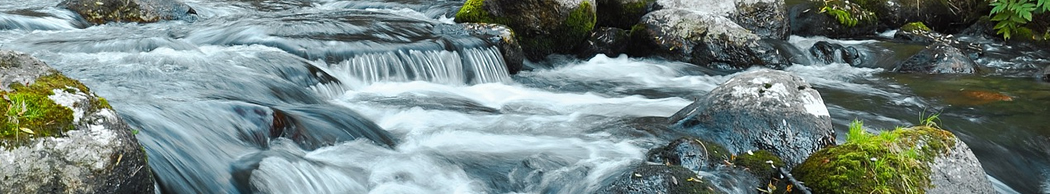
[326,96]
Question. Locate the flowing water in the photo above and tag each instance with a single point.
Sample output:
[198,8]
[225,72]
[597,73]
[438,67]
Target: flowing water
[329,96]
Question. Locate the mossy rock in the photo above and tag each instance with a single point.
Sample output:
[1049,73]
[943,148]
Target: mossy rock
[915,27]
[543,27]
[648,178]
[104,11]
[895,161]
[692,153]
[761,163]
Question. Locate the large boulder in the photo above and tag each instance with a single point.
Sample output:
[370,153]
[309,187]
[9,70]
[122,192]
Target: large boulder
[648,178]
[542,26]
[622,13]
[832,18]
[503,37]
[938,58]
[761,110]
[765,18]
[103,11]
[920,159]
[605,40]
[58,137]
[703,39]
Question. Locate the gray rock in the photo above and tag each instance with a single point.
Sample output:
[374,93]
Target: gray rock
[646,178]
[1045,74]
[765,18]
[693,154]
[608,41]
[542,26]
[82,145]
[942,15]
[938,58]
[502,37]
[104,11]
[922,36]
[703,39]
[765,109]
[958,171]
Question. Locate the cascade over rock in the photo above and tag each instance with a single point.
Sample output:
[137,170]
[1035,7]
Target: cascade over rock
[761,110]
[59,137]
[703,39]
[104,11]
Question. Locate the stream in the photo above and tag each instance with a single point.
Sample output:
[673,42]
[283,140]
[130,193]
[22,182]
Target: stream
[341,96]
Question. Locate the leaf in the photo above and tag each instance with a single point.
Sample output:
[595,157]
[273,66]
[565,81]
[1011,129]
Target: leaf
[1027,16]
[26,130]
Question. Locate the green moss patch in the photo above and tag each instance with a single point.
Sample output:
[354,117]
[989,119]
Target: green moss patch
[891,162]
[761,163]
[915,27]
[29,113]
[474,11]
[848,13]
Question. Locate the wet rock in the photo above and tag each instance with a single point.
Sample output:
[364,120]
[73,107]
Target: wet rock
[502,37]
[703,39]
[609,41]
[835,53]
[834,19]
[693,154]
[622,13]
[541,26]
[761,110]
[942,15]
[913,160]
[648,178]
[938,58]
[104,11]
[1045,75]
[917,32]
[765,18]
[59,137]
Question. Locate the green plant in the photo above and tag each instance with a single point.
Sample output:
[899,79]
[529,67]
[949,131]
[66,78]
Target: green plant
[1012,15]
[848,14]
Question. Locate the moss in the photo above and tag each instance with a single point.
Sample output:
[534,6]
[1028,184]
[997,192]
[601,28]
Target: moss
[30,113]
[761,163]
[581,20]
[891,162]
[915,27]
[637,7]
[474,11]
[848,13]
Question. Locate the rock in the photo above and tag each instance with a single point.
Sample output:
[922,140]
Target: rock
[834,53]
[1045,75]
[693,154]
[938,58]
[920,159]
[502,37]
[761,110]
[609,41]
[542,26]
[942,15]
[58,137]
[833,18]
[622,13]
[702,39]
[917,32]
[760,163]
[104,11]
[765,18]
[648,178]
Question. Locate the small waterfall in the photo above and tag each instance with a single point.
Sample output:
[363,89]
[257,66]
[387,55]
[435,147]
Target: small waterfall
[468,66]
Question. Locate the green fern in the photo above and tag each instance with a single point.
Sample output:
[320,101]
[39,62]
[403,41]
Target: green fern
[1012,15]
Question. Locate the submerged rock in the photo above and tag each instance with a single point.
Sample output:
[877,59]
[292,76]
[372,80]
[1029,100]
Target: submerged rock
[648,178]
[104,11]
[761,110]
[938,58]
[913,160]
[608,41]
[693,154]
[541,26]
[502,37]
[703,39]
[835,53]
[58,137]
